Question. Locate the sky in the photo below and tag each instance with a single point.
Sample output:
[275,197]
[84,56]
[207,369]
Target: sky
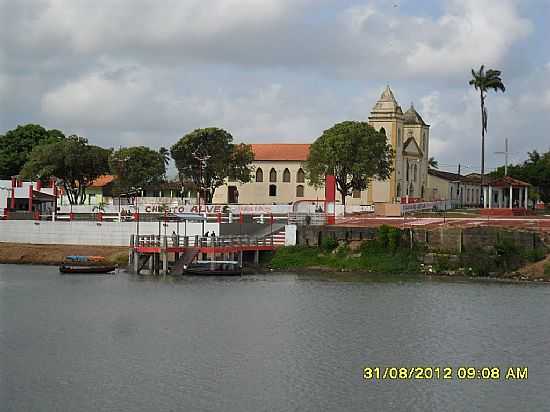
[146,72]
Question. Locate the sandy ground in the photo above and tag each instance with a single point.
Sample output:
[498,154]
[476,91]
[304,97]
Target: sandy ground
[54,254]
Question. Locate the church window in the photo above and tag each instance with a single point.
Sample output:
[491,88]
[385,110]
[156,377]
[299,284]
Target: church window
[399,189]
[272,190]
[300,191]
[411,190]
[259,175]
[408,167]
[286,176]
[356,194]
[300,176]
[273,175]
[414,172]
[398,137]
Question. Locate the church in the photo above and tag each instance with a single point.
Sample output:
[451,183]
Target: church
[279,177]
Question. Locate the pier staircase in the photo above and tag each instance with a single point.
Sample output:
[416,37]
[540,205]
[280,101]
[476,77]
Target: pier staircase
[184,261]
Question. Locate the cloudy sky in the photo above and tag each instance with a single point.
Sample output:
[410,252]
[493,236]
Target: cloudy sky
[133,72]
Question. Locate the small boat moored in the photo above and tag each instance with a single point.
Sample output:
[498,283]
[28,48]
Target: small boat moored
[86,265]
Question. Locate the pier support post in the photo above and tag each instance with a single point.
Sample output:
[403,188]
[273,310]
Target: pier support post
[152,264]
[257,257]
[164,263]
[136,262]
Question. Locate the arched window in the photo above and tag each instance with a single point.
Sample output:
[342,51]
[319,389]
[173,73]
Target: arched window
[272,190]
[300,176]
[411,190]
[356,194]
[286,176]
[415,172]
[398,189]
[300,191]
[273,175]
[259,175]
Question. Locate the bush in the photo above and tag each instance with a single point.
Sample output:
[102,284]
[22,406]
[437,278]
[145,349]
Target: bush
[534,255]
[328,244]
[547,269]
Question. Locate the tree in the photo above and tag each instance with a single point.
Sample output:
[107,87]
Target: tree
[165,153]
[221,159]
[354,152]
[73,161]
[433,163]
[17,144]
[137,167]
[484,81]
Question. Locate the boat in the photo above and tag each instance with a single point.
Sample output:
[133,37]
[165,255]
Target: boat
[214,269]
[86,269]
[86,265]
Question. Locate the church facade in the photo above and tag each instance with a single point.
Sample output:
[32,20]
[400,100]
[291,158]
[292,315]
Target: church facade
[279,177]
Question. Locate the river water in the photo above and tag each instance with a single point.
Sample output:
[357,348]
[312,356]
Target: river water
[277,342]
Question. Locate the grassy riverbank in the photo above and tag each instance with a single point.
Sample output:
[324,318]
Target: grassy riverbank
[24,253]
[297,257]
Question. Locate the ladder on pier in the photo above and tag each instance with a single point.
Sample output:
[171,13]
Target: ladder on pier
[185,260]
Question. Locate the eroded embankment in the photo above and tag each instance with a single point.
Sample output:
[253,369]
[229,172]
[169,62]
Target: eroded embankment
[23,253]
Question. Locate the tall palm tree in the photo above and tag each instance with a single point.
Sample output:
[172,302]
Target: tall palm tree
[484,81]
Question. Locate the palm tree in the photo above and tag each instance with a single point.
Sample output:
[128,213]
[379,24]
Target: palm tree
[433,163]
[484,81]
[165,153]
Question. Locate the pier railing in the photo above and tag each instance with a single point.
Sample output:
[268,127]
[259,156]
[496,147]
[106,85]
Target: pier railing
[172,241]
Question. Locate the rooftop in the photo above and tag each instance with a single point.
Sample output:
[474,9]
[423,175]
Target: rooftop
[281,151]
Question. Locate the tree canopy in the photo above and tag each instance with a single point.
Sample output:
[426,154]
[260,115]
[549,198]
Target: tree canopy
[137,167]
[72,160]
[535,170]
[17,144]
[354,152]
[222,159]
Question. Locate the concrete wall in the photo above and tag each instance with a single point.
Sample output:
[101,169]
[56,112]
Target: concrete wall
[452,240]
[88,233]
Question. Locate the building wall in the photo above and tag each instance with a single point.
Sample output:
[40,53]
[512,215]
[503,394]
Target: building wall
[258,192]
[87,233]
[466,194]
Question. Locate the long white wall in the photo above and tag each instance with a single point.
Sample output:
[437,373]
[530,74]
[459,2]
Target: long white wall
[88,233]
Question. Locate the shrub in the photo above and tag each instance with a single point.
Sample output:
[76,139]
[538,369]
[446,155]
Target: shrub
[534,255]
[394,238]
[547,269]
[328,244]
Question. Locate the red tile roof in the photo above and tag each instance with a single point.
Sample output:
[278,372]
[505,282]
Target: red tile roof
[508,181]
[281,151]
[102,181]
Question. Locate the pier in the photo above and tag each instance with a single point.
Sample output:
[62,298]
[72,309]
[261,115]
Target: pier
[155,251]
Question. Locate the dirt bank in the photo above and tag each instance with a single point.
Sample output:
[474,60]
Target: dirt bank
[54,254]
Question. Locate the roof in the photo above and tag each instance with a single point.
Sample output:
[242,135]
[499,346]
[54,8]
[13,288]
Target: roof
[387,103]
[411,116]
[102,181]
[280,151]
[508,181]
[453,177]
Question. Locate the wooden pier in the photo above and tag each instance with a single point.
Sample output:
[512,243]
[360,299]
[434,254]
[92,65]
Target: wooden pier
[155,251]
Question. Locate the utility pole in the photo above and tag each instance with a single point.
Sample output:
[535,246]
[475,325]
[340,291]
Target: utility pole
[459,191]
[505,153]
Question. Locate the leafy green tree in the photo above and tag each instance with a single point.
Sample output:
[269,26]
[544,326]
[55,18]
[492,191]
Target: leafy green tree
[354,152]
[221,159]
[433,163]
[484,81]
[137,167]
[17,144]
[73,161]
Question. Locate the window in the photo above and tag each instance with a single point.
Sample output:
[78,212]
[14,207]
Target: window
[259,175]
[272,190]
[273,175]
[415,168]
[286,176]
[398,137]
[300,176]
[356,194]
[300,191]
